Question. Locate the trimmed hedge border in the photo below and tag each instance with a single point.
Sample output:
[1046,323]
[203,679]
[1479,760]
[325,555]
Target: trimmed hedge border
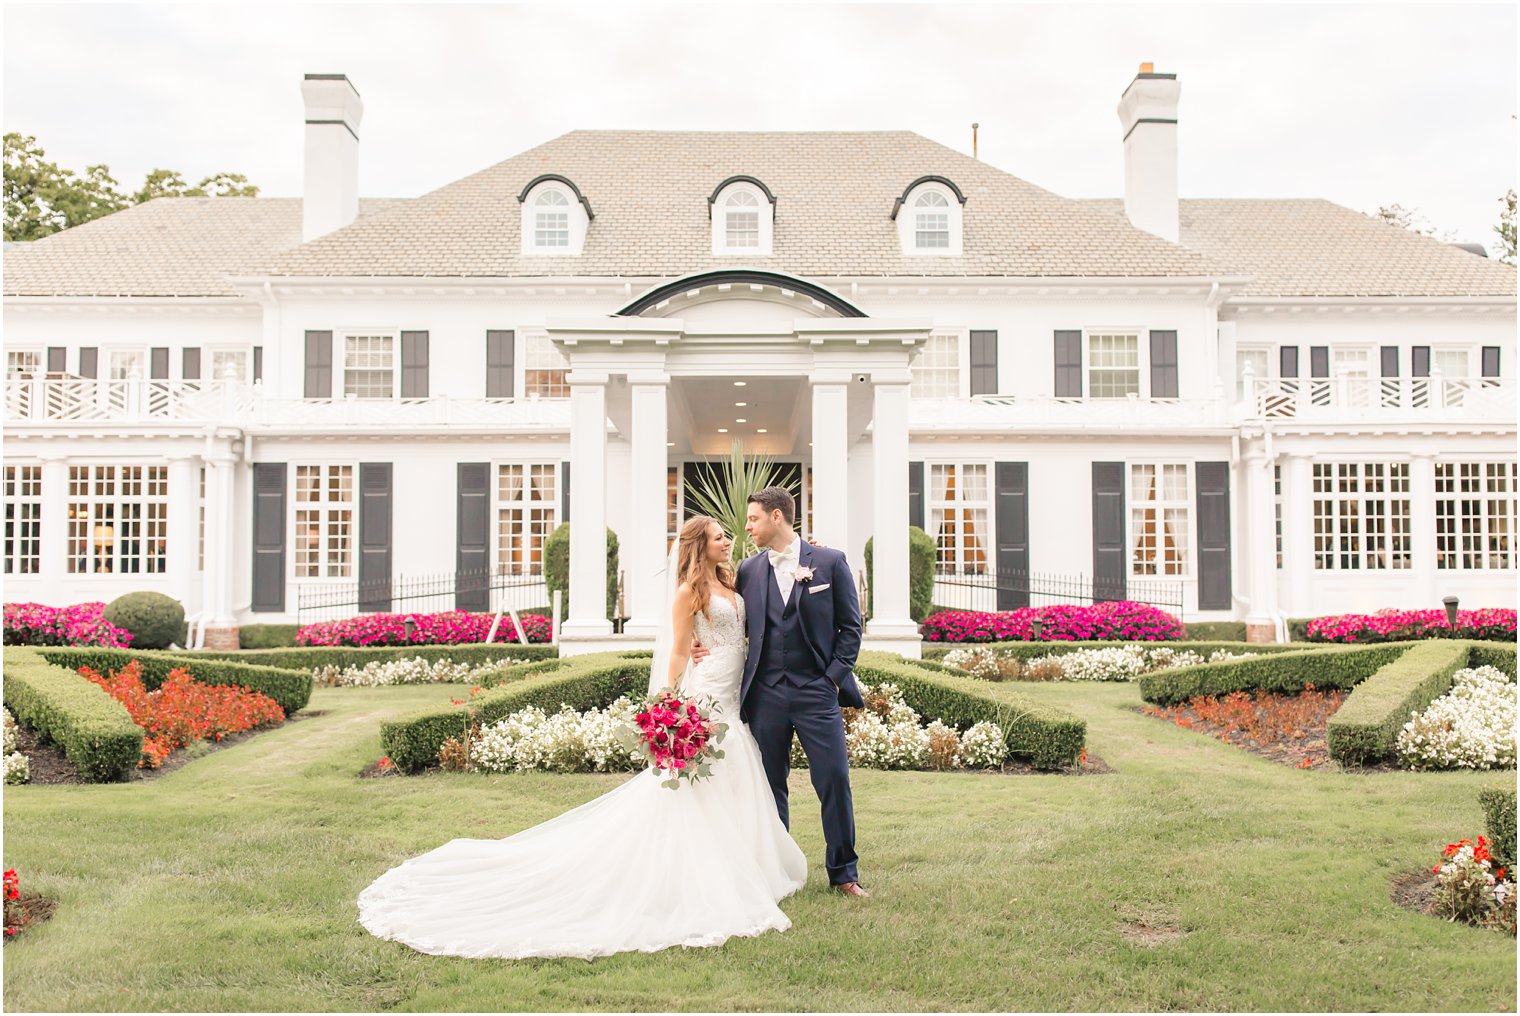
[1499,814]
[95,731]
[1215,631]
[936,651]
[266,636]
[309,658]
[1366,727]
[290,688]
[1049,737]
[1487,654]
[582,682]
[1325,666]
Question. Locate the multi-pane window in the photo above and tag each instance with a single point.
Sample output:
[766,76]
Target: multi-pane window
[235,360]
[937,371]
[22,361]
[118,519]
[741,219]
[122,364]
[23,520]
[1277,511]
[369,366]
[958,511]
[324,507]
[931,221]
[544,368]
[527,510]
[551,219]
[1257,359]
[1113,365]
[1361,516]
[1475,515]
[1158,518]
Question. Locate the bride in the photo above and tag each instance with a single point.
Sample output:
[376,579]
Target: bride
[643,867]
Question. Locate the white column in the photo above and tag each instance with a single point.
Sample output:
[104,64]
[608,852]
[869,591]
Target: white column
[217,595]
[1424,578]
[644,550]
[1298,534]
[831,482]
[184,527]
[53,537]
[889,559]
[587,617]
[1261,544]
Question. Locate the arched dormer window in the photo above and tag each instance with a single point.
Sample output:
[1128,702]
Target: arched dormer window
[929,218]
[554,217]
[742,218]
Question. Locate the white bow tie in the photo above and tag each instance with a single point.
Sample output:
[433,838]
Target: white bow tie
[778,556]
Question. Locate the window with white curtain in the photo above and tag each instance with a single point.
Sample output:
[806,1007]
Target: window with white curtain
[959,505]
[122,364]
[22,361]
[1361,516]
[1158,518]
[545,369]
[324,521]
[1475,515]
[937,371]
[236,359]
[527,510]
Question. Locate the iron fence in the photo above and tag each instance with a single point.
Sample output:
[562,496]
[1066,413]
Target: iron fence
[476,591]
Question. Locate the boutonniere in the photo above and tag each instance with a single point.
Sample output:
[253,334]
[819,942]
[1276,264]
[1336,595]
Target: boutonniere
[803,573]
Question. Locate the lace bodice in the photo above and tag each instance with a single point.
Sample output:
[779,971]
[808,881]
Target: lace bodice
[725,629]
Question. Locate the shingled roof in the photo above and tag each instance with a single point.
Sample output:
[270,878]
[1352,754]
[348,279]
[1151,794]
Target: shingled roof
[1312,247]
[164,247]
[648,189]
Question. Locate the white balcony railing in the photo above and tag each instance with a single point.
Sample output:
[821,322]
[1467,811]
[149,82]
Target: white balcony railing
[64,400]
[1045,411]
[1352,399]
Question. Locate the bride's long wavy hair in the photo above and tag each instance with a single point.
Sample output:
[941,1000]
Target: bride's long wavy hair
[690,558]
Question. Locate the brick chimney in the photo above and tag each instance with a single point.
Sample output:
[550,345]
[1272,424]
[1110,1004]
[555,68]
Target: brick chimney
[330,198]
[1148,116]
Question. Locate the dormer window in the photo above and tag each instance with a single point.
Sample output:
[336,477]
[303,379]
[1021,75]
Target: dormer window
[928,217]
[743,211]
[555,216]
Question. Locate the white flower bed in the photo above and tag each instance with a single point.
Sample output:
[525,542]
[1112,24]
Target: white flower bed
[413,671]
[17,766]
[1470,727]
[1111,663]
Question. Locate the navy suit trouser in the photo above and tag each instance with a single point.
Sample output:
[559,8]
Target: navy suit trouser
[812,710]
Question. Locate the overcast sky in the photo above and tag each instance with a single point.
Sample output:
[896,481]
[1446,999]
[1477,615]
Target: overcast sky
[1364,105]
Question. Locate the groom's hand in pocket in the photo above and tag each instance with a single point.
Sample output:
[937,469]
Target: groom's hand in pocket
[698,652]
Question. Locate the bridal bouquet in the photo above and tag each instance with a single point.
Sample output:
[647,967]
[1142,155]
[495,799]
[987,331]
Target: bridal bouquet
[678,736]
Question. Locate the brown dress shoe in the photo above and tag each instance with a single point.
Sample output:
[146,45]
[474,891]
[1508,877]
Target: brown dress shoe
[849,889]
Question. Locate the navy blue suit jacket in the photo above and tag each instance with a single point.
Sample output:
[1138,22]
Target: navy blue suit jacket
[830,615]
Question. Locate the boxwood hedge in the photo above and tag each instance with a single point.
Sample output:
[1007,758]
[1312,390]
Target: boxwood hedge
[1030,650]
[315,657]
[93,729]
[1488,654]
[1323,667]
[1049,737]
[1366,727]
[290,688]
[1499,810]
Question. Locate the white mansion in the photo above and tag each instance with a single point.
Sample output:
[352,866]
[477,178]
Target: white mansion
[277,409]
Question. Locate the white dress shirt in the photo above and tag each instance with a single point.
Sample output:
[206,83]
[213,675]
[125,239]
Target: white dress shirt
[784,564]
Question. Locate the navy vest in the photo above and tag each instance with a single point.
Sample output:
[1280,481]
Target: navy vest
[785,651]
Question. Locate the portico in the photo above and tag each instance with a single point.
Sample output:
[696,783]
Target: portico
[828,388]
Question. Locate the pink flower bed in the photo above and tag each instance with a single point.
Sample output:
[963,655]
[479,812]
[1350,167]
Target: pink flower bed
[1494,624]
[451,628]
[1120,620]
[33,624]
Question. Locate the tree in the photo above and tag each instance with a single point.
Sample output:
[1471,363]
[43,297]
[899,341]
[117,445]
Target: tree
[41,198]
[1412,220]
[1506,228]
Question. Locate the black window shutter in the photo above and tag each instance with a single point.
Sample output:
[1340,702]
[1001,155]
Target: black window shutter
[472,560]
[1109,566]
[190,363]
[1164,365]
[984,380]
[375,536]
[1287,361]
[89,361]
[414,365]
[1390,355]
[501,381]
[57,359]
[564,492]
[319,373]
[1068,364]
[258,363]
[1319,361]
[1419,361]
[1490,361]
[1213,481]
[1011,480]
[268,536]
[916,494]
[158,363]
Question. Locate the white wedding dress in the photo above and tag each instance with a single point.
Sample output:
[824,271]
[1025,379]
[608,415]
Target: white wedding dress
[641,868]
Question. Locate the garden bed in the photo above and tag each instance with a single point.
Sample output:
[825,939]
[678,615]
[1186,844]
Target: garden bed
[1288,729]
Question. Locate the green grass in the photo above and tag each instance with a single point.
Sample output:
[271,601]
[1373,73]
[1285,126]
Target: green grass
[230,885]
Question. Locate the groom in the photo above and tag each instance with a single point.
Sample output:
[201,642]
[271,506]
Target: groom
[804,634]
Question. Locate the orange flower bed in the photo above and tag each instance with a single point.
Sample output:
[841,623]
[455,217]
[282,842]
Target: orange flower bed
[1285,728]
[182,709]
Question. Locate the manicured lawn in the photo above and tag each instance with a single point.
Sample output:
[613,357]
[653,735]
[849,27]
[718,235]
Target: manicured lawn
[230,885]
